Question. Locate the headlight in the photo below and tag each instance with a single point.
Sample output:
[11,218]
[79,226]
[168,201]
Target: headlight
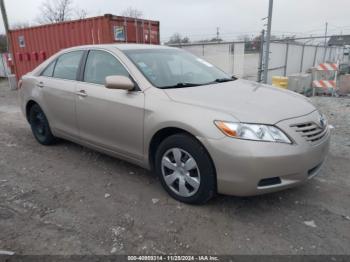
[253,132]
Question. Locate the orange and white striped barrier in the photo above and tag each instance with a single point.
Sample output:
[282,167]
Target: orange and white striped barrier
[327,67]
[324,83]
[328,86]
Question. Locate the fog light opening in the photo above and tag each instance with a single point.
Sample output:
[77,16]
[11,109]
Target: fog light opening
[314,171]
[269,182]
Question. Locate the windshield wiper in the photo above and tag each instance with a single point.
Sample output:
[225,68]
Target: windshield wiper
[222,80]
[181,85]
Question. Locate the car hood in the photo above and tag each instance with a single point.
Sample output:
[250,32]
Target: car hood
[247,101]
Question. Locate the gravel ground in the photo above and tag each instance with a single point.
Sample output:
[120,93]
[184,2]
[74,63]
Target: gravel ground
[66,199]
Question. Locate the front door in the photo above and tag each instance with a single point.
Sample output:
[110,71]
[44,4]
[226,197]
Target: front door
[112,119]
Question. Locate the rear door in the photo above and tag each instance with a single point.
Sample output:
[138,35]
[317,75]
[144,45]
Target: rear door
[58,82]
[112,119]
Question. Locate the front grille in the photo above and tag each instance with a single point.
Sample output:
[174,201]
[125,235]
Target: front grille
[310,131]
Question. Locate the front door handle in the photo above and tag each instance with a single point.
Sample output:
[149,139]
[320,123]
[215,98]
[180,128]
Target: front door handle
[81,93]
[40,84]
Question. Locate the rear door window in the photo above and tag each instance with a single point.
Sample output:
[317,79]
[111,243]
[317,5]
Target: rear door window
[67,65]
[101,64]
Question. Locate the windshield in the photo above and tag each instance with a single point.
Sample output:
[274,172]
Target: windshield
[174,68]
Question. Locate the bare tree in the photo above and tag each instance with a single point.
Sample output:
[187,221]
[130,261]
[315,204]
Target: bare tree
[210,40]
[59,11]
[55,11]
[132,12]
[175,39]
[178,39]
[80,13]
[245,38]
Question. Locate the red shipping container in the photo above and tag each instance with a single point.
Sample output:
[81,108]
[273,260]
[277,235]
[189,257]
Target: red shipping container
[33,45]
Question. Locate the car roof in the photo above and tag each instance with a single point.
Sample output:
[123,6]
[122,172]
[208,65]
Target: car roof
[140,46]
[122,47]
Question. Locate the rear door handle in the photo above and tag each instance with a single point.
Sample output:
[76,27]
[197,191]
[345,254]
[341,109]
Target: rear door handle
[81,93]
[40,84]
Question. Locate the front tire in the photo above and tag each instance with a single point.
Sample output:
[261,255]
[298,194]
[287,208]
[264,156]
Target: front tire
[40,126]
[185,169]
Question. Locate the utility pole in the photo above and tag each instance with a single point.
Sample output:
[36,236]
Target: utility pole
[268,39]
[261,55]
[6,23]
[4,15]
[217,34]
[325,34]
[325,42]
[7,28]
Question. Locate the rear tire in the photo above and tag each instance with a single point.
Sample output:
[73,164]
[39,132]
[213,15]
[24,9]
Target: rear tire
[40,126]
[185,169]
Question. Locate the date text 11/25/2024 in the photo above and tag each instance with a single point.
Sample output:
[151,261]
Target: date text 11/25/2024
[173,258]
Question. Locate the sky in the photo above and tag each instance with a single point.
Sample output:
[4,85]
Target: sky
[198,19]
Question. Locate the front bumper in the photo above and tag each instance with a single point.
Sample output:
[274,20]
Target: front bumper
[246,168]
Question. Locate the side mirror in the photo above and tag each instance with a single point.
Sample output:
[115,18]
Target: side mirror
[119,82]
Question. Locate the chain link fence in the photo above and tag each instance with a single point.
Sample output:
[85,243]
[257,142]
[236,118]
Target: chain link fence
[291,58]
[285,58]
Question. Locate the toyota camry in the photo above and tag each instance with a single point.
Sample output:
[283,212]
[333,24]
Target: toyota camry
[199,129]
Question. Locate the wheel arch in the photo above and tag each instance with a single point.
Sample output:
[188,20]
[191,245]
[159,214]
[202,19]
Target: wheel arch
[29,105]
[164,133]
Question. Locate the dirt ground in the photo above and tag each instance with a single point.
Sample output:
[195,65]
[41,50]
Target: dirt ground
[66,199]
